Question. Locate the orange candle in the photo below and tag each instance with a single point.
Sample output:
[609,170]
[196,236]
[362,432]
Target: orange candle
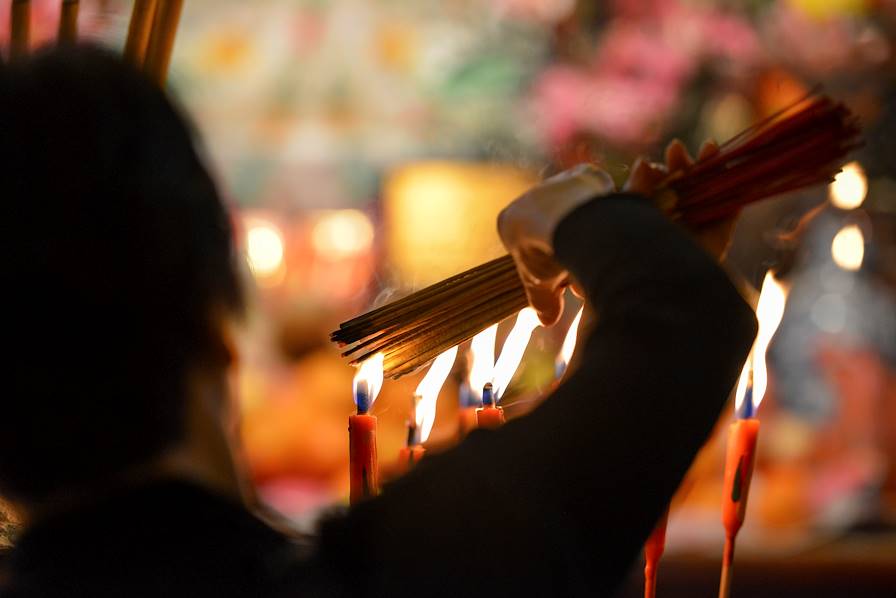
[467,420]
[362,457]
[489,416]
[739,460]
[363,467]
[409,456]
[653,551]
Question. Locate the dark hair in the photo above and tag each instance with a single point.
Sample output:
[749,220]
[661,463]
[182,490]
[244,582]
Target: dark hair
[118,254]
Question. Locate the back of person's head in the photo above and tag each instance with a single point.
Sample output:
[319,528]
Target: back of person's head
[119,255]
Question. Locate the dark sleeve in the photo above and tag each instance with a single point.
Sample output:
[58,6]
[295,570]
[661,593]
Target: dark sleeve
[559,502]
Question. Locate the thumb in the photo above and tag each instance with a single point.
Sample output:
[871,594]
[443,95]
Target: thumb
[547,303]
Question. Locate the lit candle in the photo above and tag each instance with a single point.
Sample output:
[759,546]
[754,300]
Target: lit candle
[743,433]
[424,403]
[410,454]
[363,472]
[489,416]
[513,350]
[482,360]
[739,460]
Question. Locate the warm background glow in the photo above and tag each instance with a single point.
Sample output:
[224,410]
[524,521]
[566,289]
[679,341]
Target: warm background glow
[342,233]
[430,206]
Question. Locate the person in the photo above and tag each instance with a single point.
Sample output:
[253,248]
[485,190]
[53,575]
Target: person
[116,442]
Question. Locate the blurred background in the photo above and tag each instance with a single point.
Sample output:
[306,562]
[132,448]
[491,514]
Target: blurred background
[367,146]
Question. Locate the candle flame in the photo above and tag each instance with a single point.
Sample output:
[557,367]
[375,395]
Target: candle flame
[514,347]
[848,248]
[769,312]
[742,383]
[428,391]
[482,349]
[849,187]
[569,345]
[368,382]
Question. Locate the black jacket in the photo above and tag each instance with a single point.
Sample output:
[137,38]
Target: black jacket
[557,503]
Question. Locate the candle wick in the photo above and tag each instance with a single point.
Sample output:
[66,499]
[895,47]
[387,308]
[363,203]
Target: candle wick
[362,397]
[488,395]
[747,408]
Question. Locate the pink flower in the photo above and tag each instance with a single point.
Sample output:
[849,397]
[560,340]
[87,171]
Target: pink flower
[627,110]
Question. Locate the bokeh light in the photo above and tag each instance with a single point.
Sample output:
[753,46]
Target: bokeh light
[264,249]
[341,234]
[848,248]
[849,187]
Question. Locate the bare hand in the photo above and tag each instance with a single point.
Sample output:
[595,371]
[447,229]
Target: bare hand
[527,225]
[646,176]
[527,228]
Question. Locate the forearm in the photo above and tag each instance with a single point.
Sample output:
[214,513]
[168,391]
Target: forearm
[581,480]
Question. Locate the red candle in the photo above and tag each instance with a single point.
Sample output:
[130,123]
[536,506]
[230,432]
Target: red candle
[467,420]
[739,459]
[409,456]
[362,457]
[363,467]
[653,551]
[489,416]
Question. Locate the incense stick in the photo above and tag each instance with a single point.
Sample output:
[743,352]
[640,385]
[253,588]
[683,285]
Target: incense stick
[799,146]
[19,28]
[161,39]
[138,31]
[68,22]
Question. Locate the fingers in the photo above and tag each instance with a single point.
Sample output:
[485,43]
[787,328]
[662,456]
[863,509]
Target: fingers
[645,177]
[547,303]
[708,148]
[677,156]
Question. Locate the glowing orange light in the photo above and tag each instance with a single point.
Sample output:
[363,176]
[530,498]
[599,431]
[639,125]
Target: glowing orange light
[514,347]
[428,391]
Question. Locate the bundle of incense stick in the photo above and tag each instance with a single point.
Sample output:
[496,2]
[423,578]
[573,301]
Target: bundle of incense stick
[151,34]
[800,146]
[150,40]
